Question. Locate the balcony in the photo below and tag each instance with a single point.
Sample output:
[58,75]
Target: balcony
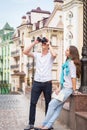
[15,67]
[15,54]
[22,45]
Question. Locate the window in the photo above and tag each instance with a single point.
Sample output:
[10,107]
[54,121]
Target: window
[69,35]
[54,75]
[54,40]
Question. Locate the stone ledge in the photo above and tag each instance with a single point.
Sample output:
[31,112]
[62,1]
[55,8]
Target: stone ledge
[81,120]
[66,106]
[78,102]
[82,114]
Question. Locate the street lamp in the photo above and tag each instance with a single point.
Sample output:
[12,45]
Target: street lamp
[83,87]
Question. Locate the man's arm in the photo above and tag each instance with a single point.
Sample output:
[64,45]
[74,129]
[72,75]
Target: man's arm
[27,51]
[53,53]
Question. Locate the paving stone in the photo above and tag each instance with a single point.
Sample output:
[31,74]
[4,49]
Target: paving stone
[14,112]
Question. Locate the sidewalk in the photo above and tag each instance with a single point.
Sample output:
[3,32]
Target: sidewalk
[14,111]
[40,114]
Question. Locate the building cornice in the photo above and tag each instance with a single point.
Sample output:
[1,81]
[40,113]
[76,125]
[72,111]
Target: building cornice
[51,16]
[45,29]
[71,3]
[57,8]
[25,24]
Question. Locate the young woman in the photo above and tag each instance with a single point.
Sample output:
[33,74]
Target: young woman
[71,70]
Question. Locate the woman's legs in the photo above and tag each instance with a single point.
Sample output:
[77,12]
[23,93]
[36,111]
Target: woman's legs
[55,107]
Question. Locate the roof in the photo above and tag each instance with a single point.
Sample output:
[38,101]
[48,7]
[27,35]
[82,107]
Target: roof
[7,27]
[58,1]
[39,10]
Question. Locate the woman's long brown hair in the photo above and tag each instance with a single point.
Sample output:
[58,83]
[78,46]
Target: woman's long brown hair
[74,55]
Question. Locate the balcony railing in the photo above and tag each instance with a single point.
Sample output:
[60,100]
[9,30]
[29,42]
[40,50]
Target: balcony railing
[15,54]
[15,66]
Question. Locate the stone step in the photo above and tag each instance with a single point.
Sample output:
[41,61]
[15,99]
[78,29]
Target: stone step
[81,120]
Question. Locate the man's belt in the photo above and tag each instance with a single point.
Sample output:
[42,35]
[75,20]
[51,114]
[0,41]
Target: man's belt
[50,81]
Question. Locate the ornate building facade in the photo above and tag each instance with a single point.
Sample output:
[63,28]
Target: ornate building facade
[73,23]
[5,53]
[36,23]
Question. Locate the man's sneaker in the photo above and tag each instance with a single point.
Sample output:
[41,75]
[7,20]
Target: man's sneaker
[29,127]
[37,128]
[52,128]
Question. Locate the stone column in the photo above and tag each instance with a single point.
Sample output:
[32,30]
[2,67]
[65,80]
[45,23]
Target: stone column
[78,103]
[83,87]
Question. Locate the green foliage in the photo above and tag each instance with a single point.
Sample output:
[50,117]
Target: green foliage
[5,88]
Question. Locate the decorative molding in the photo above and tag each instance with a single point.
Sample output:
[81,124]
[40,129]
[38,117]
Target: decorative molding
[71,3]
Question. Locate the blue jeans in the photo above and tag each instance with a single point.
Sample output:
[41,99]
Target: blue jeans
[37,89]
[55,107]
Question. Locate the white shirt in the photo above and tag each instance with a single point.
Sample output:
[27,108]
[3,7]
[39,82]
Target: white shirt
[43,67]
[72,74]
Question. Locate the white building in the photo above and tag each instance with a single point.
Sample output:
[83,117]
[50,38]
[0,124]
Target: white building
[36,23]
[73,23]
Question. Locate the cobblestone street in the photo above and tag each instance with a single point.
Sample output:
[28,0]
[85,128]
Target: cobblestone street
[14,111]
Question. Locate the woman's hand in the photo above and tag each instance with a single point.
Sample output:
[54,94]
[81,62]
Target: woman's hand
[76,92]
[57,91]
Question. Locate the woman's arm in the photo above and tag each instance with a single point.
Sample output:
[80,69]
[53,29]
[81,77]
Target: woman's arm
[74,83]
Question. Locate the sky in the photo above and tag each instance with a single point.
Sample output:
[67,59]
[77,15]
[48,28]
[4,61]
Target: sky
[11,11]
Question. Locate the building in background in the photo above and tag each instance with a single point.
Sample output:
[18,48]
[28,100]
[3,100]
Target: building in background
[63,27]
[5,53]
[36,23]
[20,63]
[73,23]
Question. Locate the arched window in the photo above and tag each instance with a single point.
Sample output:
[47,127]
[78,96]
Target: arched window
[69,35]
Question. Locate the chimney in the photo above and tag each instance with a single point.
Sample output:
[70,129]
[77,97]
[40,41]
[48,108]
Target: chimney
[23,19]
[29,17]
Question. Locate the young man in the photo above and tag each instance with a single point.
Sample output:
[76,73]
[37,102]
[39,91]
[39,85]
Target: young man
[43,76]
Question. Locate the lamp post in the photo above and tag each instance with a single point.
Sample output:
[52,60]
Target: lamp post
[83,87]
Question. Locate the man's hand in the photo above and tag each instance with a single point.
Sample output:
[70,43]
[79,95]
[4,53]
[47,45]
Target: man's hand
[48,43]
[36,41]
